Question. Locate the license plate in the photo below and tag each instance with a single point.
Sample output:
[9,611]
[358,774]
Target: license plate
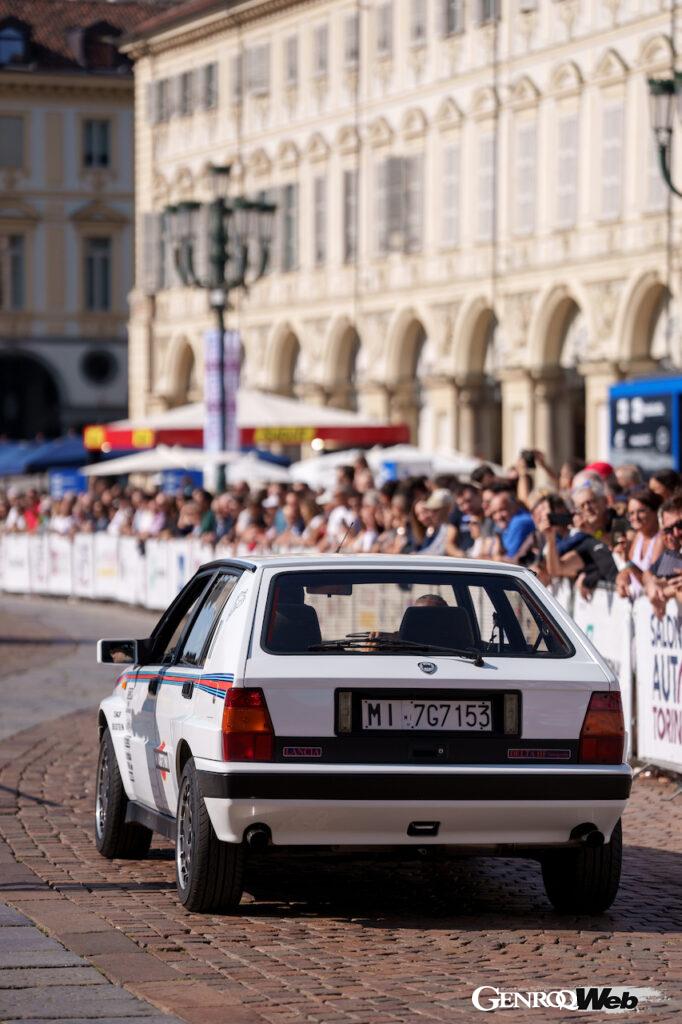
[428,716]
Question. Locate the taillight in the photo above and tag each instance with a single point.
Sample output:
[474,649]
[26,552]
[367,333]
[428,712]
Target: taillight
[603,733]
[247,730]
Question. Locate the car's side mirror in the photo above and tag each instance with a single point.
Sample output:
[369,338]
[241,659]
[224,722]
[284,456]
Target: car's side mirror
[122,652]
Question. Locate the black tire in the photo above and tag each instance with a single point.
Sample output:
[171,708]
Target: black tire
[209,873]
[114,836]
[584,880]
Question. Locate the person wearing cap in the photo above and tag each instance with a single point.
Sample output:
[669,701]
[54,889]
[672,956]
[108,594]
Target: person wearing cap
[435,515]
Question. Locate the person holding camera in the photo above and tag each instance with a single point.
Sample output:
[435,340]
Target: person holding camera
[586,557]
[527,461]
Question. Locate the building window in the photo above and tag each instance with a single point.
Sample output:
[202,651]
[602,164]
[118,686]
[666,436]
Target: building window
[452,17]
[209,91]
[488,10]
[526,187]
[351,41]
[12,44]
[320,221]
[186,94]
[451,172]
[418,15]
[291,62]
[350,216]
[96,143]
[11,142]
[385,30]
[486,186]
[289,221]
[12,273]
[258,70]
[321,51]
[612,161]
[567,171]
[400,204]
[98,274]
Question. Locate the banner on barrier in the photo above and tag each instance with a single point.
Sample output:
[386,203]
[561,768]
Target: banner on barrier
[607,620]
[131,584]
[106,566]
[158,584]
[16,567]
[84,565]
[658,656]
[59,564]
[39,564]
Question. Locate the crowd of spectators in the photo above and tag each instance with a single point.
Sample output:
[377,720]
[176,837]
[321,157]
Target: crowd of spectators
[586,523]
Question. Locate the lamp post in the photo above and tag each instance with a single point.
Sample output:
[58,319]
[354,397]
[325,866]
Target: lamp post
[239,241]
[662,94]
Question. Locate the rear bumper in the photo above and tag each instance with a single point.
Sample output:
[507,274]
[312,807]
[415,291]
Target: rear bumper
[473,807]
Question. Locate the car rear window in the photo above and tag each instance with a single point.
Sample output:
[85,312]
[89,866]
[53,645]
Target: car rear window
[395,612]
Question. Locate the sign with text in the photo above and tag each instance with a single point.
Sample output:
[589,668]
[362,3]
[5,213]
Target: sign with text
[213,397]
[658,653]
[642,430]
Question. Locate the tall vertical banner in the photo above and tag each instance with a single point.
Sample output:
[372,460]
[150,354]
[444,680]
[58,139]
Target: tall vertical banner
[212,396]
[658,652]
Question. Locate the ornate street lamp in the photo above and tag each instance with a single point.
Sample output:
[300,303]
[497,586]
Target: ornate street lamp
[240,238]
[662,93]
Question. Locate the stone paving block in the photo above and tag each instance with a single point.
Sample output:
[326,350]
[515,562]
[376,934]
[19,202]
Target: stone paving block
[20,939]
[92,943]
[59,1001]
[37,977]
[10,918]
[40,958]
[151,1018]
[129,967]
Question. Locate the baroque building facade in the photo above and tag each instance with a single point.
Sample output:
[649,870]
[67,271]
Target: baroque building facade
[473,235]
[66,212]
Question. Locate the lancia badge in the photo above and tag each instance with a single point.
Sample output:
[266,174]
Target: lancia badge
[428,667]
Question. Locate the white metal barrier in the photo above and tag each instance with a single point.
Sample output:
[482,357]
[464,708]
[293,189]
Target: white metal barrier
[645,652]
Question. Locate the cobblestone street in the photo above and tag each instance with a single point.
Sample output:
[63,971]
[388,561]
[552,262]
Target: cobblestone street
[319,942]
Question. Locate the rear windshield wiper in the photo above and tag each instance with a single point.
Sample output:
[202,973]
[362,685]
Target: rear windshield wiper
[390,643]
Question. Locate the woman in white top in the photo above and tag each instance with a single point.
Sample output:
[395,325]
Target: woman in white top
[647,544]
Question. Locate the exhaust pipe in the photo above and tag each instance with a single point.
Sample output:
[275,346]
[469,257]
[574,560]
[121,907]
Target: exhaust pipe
[257,837]
[588,835]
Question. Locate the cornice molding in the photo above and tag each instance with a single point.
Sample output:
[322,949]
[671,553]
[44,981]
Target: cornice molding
[210,25]
[63,84]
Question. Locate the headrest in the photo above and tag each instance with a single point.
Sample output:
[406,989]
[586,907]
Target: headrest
[296,628]
[443,627]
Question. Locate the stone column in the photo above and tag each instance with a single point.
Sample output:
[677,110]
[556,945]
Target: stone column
[468,433]
[517,413]
[546,434]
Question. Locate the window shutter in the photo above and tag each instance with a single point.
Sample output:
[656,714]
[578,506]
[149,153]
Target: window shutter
[209,87]
[237,78]
[320,51]
[488,10]
[451,171]
[350,220]
[351,53]
[150,270]
[381,204]
[319,221]
[657,191]
[486,186]
[291,62]
[385,30]
[612,161]
[567,171]
[395,203]
[418,22]
[201,232]
[414,202]
[526,153]
[294,226]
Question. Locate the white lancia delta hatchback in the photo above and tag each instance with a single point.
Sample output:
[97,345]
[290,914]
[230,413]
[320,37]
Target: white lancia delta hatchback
[369,702]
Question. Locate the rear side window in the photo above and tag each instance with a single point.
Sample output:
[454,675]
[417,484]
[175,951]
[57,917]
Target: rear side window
[195,644]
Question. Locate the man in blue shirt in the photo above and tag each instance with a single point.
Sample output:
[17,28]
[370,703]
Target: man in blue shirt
[514,526]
